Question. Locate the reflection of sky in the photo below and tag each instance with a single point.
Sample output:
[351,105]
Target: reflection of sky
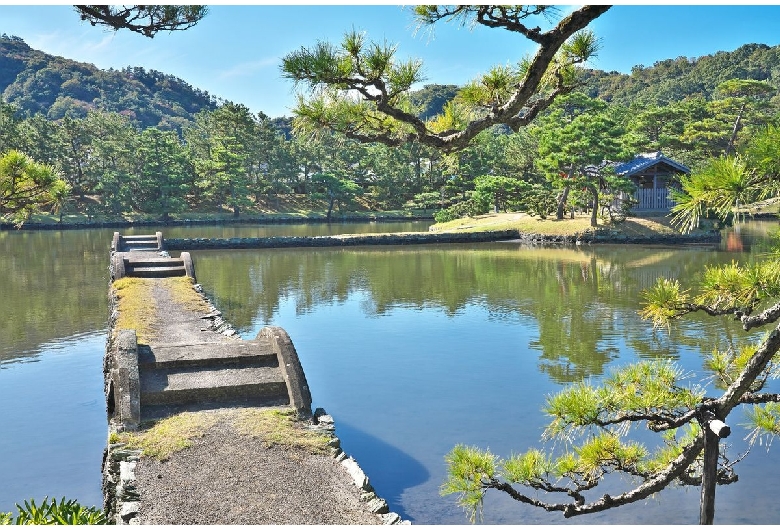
[53,423]
[418,382]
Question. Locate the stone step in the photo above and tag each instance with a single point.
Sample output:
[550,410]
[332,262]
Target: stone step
[256,352]
[140,248]
[149,242]
[143,242]
[140,237]
[193,386]
[158,412]
[156,272]
[149,261]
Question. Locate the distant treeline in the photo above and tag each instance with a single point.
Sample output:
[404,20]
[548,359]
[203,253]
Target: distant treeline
[137,141]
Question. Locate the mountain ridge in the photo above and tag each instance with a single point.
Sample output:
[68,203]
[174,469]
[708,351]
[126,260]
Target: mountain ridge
[36,82]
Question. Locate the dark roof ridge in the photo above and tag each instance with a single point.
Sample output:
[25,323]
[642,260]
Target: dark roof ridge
[645,160]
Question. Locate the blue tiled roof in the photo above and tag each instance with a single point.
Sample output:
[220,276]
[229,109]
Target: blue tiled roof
[645,160]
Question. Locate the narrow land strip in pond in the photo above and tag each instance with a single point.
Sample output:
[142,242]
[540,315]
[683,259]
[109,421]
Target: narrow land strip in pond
[219,466]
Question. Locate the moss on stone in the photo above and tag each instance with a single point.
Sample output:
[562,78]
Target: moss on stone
[136,307]
[275,427]
[183,293]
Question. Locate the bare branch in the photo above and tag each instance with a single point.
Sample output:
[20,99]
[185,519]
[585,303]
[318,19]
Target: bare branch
[768,316]
[751,398]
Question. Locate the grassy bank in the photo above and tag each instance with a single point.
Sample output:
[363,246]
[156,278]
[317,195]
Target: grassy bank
[302,216]
[633,226]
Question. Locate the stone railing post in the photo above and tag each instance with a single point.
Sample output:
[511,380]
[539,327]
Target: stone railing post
[290,365]
[127,386]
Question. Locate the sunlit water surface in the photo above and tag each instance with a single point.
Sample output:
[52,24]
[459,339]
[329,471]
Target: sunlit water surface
[411,349]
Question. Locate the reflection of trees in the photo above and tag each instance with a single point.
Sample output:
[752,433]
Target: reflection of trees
[52,285]
[583,300]
[250,284]
[572,319]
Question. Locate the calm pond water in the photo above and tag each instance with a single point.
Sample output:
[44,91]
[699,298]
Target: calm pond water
[411,349]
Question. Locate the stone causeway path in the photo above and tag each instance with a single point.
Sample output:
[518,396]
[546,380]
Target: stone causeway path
[195,362]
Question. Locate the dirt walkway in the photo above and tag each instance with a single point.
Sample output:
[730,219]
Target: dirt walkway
[229,478]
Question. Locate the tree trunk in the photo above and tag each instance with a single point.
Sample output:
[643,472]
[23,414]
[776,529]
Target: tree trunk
[564,195]
[734,131]
[709,476]
[594,213]
[330,208]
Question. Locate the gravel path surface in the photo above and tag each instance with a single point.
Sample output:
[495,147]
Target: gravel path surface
[174,323]
[229,478]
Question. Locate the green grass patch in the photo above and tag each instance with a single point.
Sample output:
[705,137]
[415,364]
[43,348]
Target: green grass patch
[64,512]
[279,427]
[170,435]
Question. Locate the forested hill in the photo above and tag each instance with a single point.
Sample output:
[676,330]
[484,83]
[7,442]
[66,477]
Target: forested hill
[36,82]
[675,79]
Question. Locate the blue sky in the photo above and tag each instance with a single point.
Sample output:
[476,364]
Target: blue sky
[235,52]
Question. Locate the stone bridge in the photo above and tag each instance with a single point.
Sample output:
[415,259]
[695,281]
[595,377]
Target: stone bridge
[188,366]
[188,359]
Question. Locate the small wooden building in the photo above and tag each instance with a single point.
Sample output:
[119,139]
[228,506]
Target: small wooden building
[653,174]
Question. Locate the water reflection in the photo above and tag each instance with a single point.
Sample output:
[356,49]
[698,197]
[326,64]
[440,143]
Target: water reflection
[53,286]
[582,302]
[377,457]
[460,343]
[53,419]
[411,349]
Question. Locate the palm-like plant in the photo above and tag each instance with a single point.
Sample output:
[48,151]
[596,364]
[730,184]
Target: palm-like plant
[722,186]
[48,512]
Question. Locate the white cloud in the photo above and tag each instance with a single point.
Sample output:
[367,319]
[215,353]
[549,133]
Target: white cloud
[247,69]
[82,47]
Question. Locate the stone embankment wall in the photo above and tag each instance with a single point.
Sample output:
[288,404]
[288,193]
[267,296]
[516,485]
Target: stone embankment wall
[337,241]
[609,236]
[599,235]
[265,220]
